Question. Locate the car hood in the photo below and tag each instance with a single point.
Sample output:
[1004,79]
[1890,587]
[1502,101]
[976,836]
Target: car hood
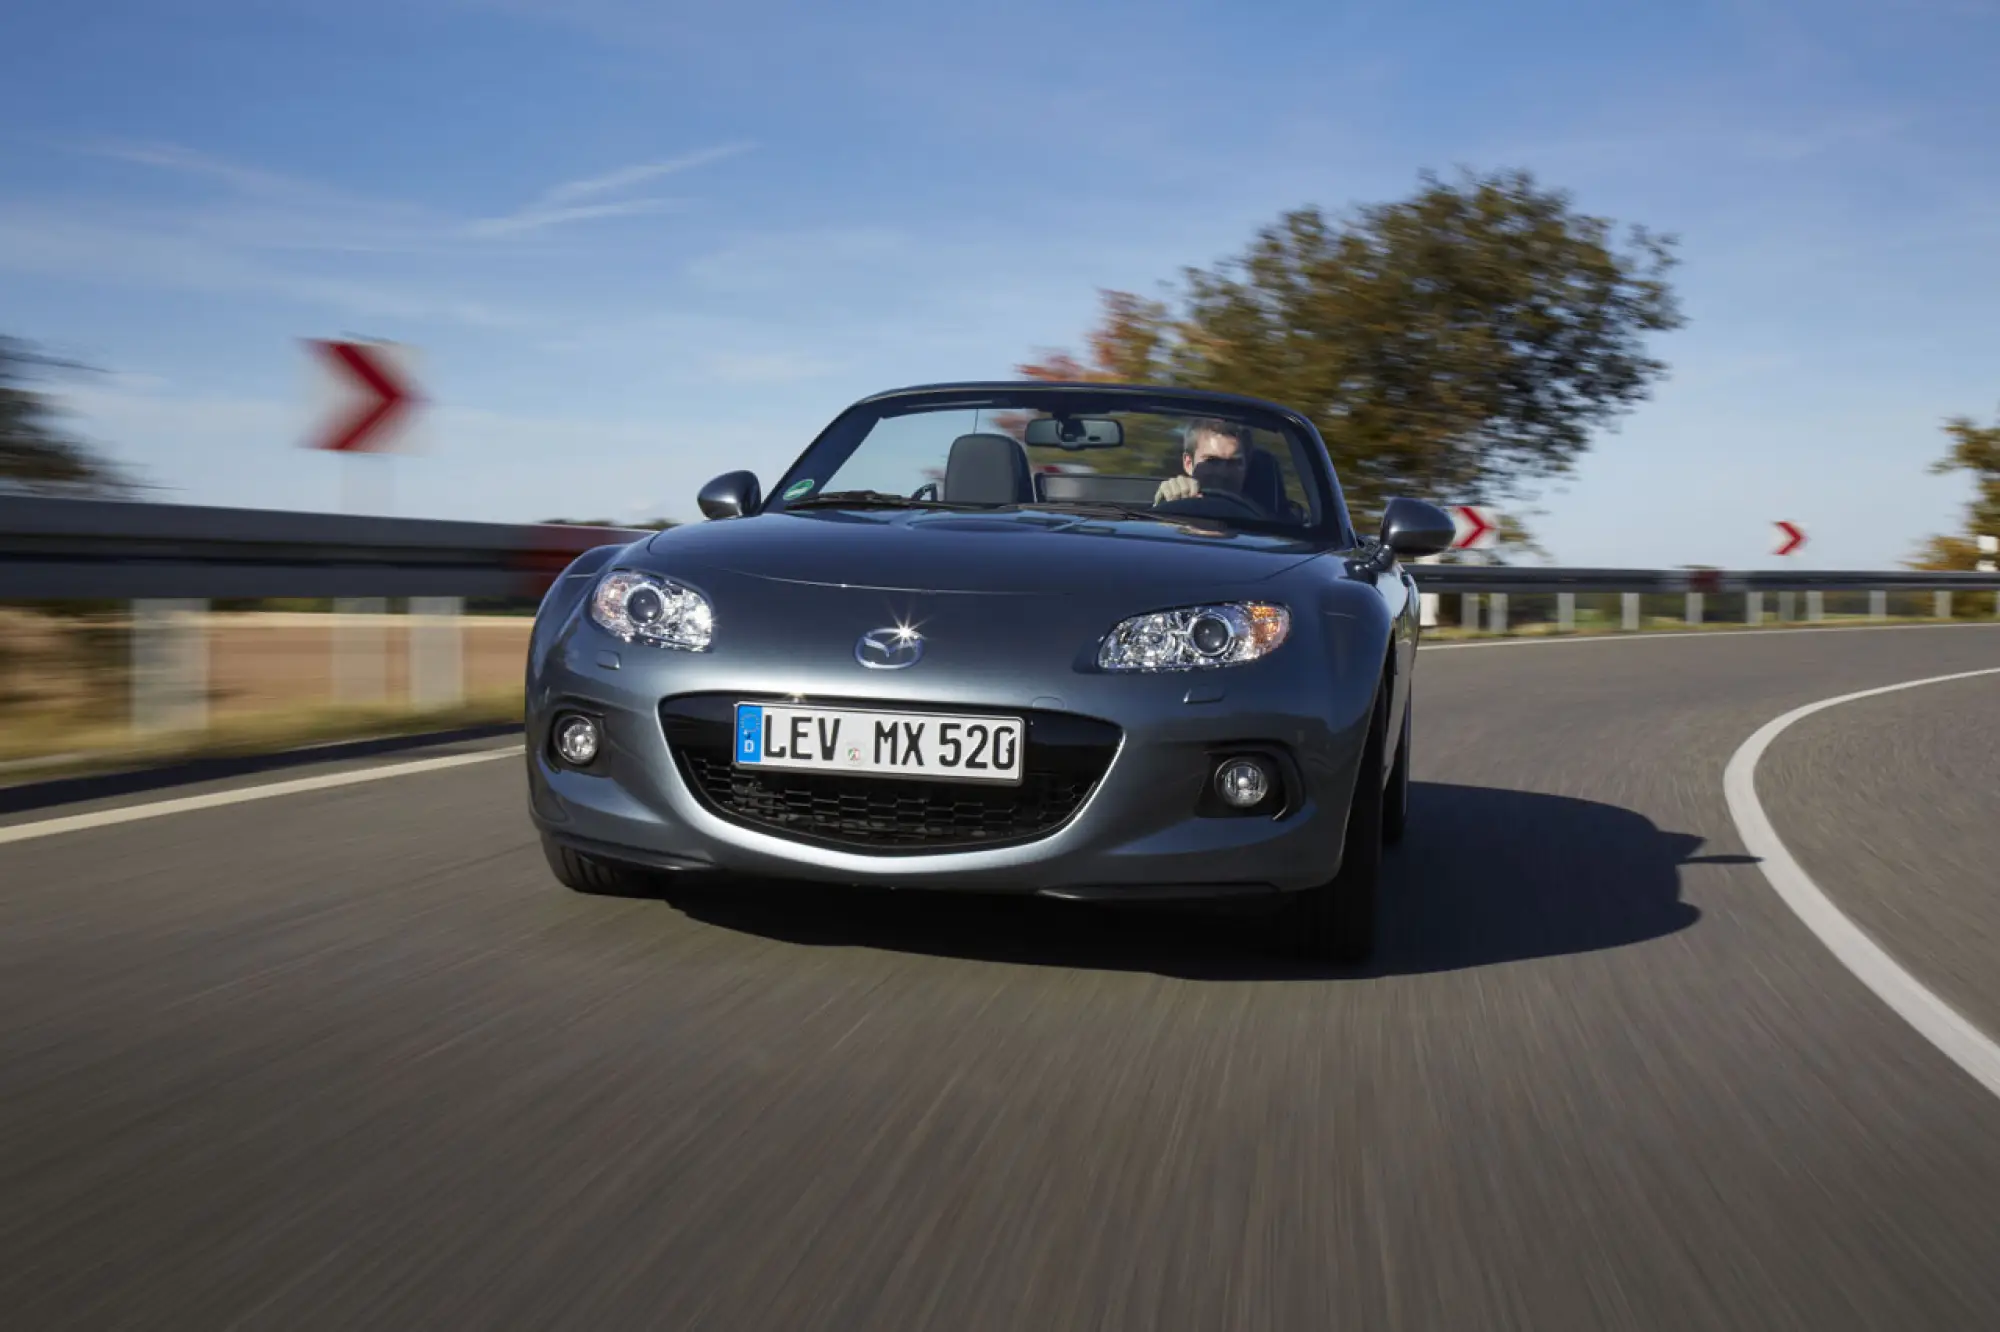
[1025,553]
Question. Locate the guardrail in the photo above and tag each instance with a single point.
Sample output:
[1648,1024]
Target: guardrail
[62,549]
[170,560]
[1492,585]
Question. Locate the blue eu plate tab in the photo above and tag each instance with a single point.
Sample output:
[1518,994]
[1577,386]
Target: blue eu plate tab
[749,733]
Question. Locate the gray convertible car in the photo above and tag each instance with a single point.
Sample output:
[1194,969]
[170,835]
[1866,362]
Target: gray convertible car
[1082,640]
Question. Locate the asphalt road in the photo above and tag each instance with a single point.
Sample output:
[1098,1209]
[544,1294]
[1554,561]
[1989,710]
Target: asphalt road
[349,1058]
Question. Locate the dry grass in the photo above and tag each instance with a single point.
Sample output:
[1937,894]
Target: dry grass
[65,682]
[81,752]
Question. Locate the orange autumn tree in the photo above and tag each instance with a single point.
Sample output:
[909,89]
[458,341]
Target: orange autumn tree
[1133,343]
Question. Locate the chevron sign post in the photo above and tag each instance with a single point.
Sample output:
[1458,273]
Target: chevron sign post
[1478,529]
[365,397]
[1475,528]
[367,394]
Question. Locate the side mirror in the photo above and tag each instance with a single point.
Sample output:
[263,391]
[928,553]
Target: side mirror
[1412,528]
[730,495]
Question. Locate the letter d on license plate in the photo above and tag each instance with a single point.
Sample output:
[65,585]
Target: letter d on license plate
[879,744]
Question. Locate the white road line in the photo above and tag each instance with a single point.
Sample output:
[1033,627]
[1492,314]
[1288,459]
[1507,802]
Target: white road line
[1683,635]
[1938,1022]
[22,832]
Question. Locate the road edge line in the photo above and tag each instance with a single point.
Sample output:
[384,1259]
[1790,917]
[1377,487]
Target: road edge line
[1937,1021]
[103,818]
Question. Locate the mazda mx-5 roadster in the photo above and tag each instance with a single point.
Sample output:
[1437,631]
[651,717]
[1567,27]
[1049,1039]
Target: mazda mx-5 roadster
[1088,641]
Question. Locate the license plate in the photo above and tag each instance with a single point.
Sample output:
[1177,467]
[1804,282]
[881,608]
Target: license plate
[879,744]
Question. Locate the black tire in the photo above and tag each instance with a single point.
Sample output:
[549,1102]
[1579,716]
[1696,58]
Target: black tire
[1335,921]
[1396,801]
[597,878]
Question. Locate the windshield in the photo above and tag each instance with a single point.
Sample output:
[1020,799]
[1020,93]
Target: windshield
[1164,460]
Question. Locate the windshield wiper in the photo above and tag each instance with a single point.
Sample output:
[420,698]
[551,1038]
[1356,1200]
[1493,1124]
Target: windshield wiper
[874,499]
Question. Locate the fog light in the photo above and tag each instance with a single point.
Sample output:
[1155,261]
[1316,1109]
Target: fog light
[1243,782]
[577,740]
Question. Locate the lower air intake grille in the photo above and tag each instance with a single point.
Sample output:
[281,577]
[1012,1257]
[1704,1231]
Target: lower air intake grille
[1063,759]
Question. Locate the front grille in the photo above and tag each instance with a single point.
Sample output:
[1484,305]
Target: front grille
[1063,759]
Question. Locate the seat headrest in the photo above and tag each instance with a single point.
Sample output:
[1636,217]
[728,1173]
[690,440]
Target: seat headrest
[988,469]
[1263,482]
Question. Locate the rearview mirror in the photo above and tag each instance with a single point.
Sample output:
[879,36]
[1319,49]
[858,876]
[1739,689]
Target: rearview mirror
[730,495]
[1412,529]
[1074,432]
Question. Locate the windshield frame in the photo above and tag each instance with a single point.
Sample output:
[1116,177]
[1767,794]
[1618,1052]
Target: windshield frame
[833,446]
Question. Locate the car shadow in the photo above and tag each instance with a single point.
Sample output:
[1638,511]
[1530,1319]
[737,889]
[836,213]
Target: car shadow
[1485,876]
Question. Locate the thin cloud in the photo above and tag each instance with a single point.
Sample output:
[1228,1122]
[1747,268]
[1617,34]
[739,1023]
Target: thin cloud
[330,219]
[558,204]
[535,219]
[62,244]
[257,209]
[625,177]
[174,157]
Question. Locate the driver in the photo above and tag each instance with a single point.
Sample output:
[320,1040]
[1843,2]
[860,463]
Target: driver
[1213,457]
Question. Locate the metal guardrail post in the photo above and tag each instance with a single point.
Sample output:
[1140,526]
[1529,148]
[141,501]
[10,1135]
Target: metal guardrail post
[1566,612]
[1631,611]
[1878,605]
[1497,618]
[360,649]
[169,665]
[1469,607]
[1941,603]
[1753,608]
[437,669]
[1815,605]
[1427,602]
[1786,606]
[1694,608]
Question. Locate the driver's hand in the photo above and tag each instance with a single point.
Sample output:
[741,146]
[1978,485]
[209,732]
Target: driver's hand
[1176,488]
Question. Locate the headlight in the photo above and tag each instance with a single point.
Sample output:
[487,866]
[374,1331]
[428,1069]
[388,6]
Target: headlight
[643,608]
[1195,637]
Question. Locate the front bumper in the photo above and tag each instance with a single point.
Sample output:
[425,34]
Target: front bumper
[1116,803]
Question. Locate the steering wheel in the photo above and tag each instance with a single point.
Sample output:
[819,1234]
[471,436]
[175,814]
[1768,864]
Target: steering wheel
[1243,504]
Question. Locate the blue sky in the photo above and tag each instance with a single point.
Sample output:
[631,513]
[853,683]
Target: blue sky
[637,244]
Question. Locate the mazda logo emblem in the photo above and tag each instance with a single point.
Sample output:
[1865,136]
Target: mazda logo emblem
[889,649]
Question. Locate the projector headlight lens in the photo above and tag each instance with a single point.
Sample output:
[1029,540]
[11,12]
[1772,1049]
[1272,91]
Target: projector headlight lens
[1196,637]
[647,608]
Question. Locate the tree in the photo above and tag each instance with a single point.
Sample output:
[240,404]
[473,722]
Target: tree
[1458,345]
[35,454]
[1975,449]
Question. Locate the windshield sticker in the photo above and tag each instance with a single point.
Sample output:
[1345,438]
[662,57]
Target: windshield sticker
[798,488]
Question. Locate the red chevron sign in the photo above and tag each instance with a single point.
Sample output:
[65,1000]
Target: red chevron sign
[371,369]
[1476,528]
[1791,537]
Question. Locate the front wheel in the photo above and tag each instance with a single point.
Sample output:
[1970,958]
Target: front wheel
[1396,803]
[1335,921]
